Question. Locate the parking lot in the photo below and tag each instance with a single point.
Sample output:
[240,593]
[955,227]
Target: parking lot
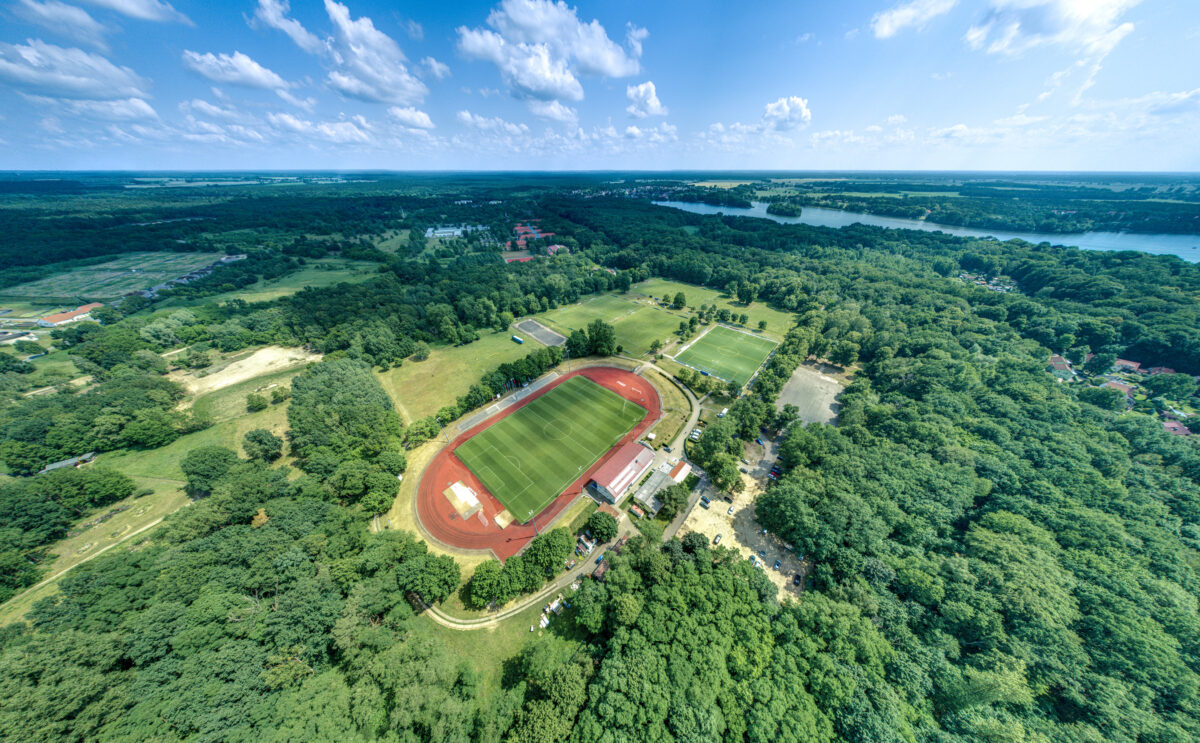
[740,531]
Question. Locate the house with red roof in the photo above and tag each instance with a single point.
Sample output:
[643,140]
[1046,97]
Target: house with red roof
[76,315]
[1127,365]
[1121,387]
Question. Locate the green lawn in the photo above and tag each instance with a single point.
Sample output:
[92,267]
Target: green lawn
[121,275]
[727,353]
[421,388]
[778,323]
[528,458]
[637,324]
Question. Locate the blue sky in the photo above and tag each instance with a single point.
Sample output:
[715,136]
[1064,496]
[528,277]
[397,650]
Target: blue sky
[532,84]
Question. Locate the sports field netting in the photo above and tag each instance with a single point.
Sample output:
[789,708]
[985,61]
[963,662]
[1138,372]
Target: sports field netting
[728,354]
[530,457]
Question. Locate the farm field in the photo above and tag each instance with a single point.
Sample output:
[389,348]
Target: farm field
[318,273]
[421,388]
[727,353]
[778,323]
[637,324]
[128,273]
[528,458]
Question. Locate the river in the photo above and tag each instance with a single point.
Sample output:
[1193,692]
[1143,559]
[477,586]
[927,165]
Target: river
[1186,247]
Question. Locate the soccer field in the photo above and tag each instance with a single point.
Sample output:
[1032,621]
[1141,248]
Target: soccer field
[728,354]
[530,457]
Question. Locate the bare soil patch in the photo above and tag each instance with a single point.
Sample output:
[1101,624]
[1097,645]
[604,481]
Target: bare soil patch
[266,360]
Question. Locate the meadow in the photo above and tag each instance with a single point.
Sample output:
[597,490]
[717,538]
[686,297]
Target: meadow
[421,388]
[778,322]
[115,278]
[637,323]
[727,354]
[528,458]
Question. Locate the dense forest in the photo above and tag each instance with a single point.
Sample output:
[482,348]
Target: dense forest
[996,557]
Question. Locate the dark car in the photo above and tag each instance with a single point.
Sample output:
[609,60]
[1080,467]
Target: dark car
[796,579]
[778,564]
[762,554]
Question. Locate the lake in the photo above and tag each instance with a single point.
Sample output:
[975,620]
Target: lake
[1186,247]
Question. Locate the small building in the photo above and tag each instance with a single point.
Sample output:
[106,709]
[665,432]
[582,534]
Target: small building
[626,465]
[680,471]
[1176,428]
[600,570]
[72,462]
[1127,365]
[1120,387]
[518,339]
[78,314]
[1156,370]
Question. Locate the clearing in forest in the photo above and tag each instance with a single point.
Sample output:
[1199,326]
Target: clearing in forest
[528,458]
[727,354]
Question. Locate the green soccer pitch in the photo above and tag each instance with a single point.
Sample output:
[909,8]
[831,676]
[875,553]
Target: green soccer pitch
[728,354]
[528,458]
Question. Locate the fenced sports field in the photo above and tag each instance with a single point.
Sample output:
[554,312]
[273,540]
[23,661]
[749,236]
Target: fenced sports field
[727,354]
[528,458]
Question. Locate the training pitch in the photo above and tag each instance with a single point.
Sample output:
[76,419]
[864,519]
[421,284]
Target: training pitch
[528,458]
[727,354]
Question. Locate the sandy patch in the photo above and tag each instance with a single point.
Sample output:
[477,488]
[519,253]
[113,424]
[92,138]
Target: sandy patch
[741,531]
[266,360]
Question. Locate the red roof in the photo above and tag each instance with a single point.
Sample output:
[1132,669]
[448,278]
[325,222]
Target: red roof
[1161,370]
[1135,365]
[623,467]
[1121,386]
[1176,428]
[64,316]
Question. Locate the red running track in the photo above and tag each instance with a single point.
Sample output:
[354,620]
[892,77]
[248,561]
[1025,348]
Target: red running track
[442,522]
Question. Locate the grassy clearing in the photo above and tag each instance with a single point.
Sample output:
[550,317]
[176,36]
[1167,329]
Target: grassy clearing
[393,241]
[778,322]
[130,272]
[325,272]
[528,458]
[728,354]
[229,402]
[637,323]
[421,388]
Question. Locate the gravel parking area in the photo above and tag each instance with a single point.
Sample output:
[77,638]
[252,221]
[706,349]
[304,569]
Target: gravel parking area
[541,333]
[813,391]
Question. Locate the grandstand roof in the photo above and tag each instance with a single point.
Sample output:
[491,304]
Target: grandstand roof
[624,467]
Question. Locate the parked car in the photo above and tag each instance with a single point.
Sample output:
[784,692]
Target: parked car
[778,564]
[762,554]
[730,511]
[796,579]
[704,504]
[717,539]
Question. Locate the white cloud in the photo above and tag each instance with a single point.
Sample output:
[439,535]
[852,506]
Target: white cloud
[51,70]
[355,130]
[415,31]
[273,13]
[540,46]
[236,69]
[1020,119]
[664,132]
[436,69]
[493,124]
[896,119]
[307,104]
[68,20]
[1090,26]
[786,114]
[553,110]
[913,14]
[204,108]
[129,109]
[368,64]
[804,38]
[643,101]
[364,63]
[411,117]
[143,10]
[634,36]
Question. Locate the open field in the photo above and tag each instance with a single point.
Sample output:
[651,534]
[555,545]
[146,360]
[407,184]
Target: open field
[813,392]
[528,458]
[421,388]
[268,360]
[726,353]
[675,409]
[128,273]
[637,323]
[778,322]
[317,273]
